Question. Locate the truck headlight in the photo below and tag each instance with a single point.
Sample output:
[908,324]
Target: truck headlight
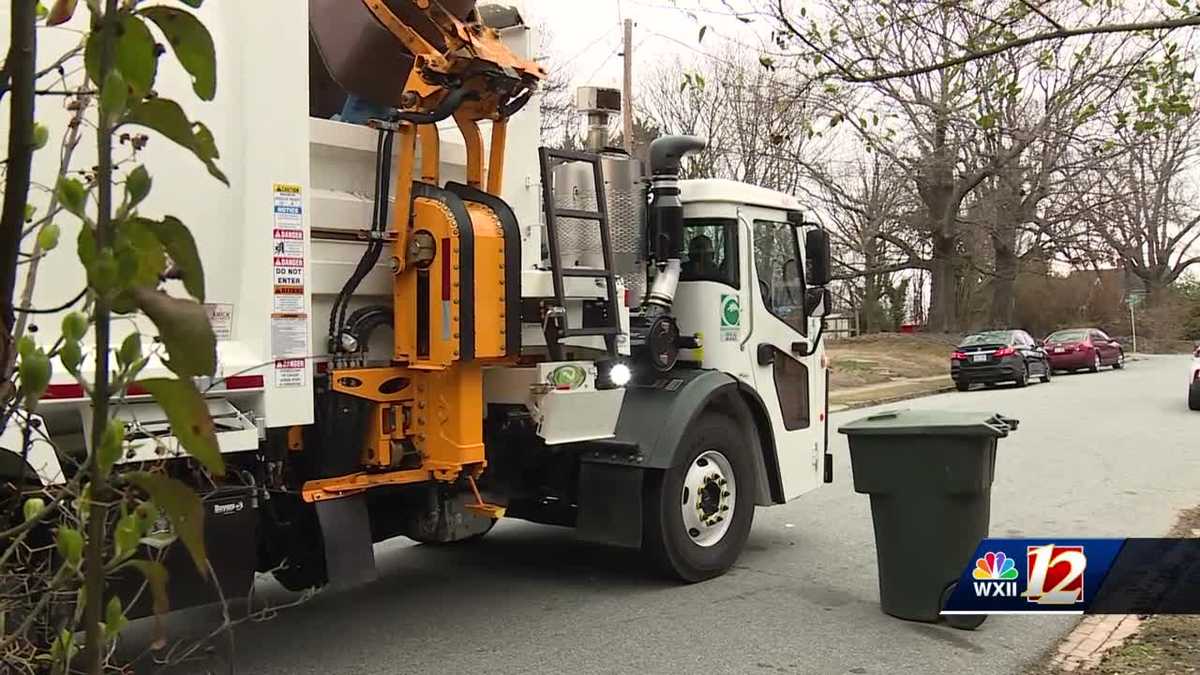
[612,374]
[620,374]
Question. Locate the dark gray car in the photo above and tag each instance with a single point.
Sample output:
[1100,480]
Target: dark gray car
[998,356]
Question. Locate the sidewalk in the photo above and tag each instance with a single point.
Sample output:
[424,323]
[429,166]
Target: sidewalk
[887,392]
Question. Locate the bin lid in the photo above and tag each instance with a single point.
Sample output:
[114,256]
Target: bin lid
[906,422]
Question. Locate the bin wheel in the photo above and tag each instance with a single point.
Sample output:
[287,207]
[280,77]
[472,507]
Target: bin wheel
[960,621]
[697,514]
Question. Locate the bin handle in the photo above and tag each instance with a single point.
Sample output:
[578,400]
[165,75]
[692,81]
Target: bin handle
[1001,425]
[885,415]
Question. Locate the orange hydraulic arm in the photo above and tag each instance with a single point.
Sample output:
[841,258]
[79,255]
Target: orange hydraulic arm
[452,252]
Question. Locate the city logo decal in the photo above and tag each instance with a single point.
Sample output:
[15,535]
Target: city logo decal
[995,576]
[731,311]
[1055,574]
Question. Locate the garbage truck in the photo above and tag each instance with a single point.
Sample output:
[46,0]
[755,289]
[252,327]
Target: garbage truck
[427,322]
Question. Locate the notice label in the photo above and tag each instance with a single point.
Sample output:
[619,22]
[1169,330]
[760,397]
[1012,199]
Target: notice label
[220,316]
[289,336]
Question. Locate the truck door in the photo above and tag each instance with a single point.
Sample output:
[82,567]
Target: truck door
[792,385]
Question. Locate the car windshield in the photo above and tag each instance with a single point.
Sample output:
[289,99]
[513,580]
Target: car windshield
[1068,336]
[990,337]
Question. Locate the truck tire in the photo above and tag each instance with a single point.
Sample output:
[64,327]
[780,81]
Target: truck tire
[1194,397]
[697,514]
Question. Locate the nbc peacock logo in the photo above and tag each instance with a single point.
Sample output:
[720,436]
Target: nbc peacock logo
[995,576]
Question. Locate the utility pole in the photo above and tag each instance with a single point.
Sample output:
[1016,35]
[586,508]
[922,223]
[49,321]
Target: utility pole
[627,93]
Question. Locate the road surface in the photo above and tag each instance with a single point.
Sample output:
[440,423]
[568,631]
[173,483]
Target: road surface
[1108,454]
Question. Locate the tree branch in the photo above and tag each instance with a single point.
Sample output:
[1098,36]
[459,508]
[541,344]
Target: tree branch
[1058,34]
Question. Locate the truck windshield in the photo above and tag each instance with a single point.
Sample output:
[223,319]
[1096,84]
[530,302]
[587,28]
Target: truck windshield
[710,250]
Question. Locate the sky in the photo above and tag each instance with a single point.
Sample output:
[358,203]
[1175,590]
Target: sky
[587,33]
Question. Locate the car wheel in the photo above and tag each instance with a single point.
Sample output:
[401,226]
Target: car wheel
[1095,363]
[1194,397]
[1120,361]
[697,514]
[1047,372]
[962,386]
[1023,376]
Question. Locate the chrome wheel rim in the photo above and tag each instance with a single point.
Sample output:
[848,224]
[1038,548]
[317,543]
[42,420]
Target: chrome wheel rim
[708,498]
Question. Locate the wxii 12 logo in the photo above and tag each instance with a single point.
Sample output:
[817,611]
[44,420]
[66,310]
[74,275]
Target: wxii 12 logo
[1055,574]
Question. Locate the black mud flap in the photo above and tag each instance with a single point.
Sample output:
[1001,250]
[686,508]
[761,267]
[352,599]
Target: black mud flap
[610,504]
[230,536]
[346,530]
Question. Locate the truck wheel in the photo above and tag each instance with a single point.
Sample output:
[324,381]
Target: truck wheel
[1194,397]
[433,541]
[698,513]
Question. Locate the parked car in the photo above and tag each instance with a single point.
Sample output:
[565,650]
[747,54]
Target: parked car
[1080,348]
[1194,379]
[998,356]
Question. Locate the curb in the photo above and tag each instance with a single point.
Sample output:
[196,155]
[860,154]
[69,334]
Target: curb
[854,405]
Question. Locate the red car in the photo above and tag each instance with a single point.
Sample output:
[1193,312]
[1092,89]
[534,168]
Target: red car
[1079,348]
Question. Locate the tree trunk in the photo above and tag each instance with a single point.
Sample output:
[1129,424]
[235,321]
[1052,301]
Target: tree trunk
[1004,281]
[943,285]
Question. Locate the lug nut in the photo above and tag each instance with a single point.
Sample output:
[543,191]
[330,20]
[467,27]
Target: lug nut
[724,508]
[725,493]
[722,482]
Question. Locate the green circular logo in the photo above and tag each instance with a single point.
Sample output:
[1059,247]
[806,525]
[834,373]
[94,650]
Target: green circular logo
[731,311]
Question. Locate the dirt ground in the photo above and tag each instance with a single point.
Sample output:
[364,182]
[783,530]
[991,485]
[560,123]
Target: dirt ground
[1163,645]
[888,357]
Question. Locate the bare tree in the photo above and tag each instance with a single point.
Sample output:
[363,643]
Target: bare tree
[756,130]
[1144,208]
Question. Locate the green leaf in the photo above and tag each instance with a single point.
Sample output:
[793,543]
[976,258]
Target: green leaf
[986,121]
[137,186]
[189,418]
[103,274]
[73,196]
[141,259]
[184,328]
[177,240]
[114,95]
[114,618]
[63,649]
[33,507]
[71,355]
[183,508]
[35,370]
[61,12]
[111,445]
[126,536]
[70,544]
[130,351]
[166,117]
[41,135]
[48,237]
[192,44]
[40,11]
[30,210]
[134,56]
[74,326]
[156,579]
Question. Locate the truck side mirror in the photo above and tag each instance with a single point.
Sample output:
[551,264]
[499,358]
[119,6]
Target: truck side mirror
[817,301]
[819,256]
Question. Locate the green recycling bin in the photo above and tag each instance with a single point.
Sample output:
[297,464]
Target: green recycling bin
[929,474]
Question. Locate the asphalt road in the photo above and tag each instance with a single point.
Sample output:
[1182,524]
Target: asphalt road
[1109,454]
